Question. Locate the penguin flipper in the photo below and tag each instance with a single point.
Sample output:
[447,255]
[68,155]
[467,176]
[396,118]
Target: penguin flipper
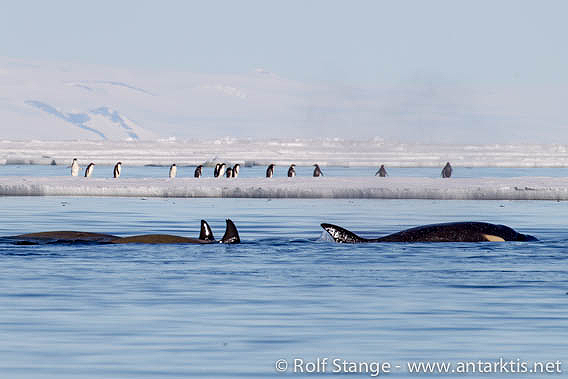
[231,234]
[206,233]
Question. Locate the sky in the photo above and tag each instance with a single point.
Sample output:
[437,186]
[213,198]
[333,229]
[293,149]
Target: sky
[422,71]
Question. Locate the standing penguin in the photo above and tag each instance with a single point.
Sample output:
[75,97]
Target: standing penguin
[216,171]
[74,167]
[270,171]
[117,169]
[229,172]
[89,169]
[236,169]
[382,171]
[197,173]
[292,171]
[173,171]
[317,171]
[447,170]
[221,171]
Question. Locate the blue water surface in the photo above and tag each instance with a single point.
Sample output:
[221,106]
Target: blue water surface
[286,292]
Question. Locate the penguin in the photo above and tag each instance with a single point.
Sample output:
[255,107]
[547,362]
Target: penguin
[229,172]
[270,171]
[292,171]
[117,169]
[236,169]
[447,170]
[74,167]
[198,171]
[216,171]
[221,171]
[173,171]
[317,171]
[89,169]
[382,171]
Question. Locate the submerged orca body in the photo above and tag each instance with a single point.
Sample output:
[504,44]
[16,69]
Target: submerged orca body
[205,236]
[63,236]
[447,232]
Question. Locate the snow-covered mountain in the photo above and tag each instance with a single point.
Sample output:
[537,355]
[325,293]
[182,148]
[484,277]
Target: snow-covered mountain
[103,122]
[53,101]
[49,101]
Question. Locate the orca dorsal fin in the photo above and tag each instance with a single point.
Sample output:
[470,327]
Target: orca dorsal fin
[341,235]
[206,233]
[231,234]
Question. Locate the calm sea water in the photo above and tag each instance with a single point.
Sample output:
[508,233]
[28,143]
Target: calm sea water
[286,292]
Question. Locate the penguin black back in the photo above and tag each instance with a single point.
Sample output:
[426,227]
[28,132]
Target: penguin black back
[382,171]
[236,169]
[292,171]
[221,170]
[447,170]
[89,169]
[173,171]
[197,173]
[317,171]
[270,171]
[117,170]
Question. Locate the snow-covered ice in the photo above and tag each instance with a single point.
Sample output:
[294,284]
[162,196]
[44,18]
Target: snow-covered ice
[282,152]
[523,188]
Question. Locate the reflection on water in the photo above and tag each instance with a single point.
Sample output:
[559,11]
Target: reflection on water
[101,311]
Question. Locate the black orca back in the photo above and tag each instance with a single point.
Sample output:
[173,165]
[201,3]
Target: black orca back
[446,232]
[457,232]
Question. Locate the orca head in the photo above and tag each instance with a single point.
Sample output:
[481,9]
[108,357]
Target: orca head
[526,237]
[342,235]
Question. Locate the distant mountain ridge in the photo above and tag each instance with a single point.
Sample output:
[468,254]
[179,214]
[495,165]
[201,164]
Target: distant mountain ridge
[103,122]
[72,101]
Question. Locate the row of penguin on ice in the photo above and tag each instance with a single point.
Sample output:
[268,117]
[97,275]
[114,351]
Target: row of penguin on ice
[222,170]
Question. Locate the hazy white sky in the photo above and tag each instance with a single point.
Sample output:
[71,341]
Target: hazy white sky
[455,68]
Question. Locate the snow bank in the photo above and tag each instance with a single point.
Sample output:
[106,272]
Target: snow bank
[282,152]
[525,188]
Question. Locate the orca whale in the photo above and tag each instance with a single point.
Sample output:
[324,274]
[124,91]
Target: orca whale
[61,236]
[446,232]
[205,236]
[69,237]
